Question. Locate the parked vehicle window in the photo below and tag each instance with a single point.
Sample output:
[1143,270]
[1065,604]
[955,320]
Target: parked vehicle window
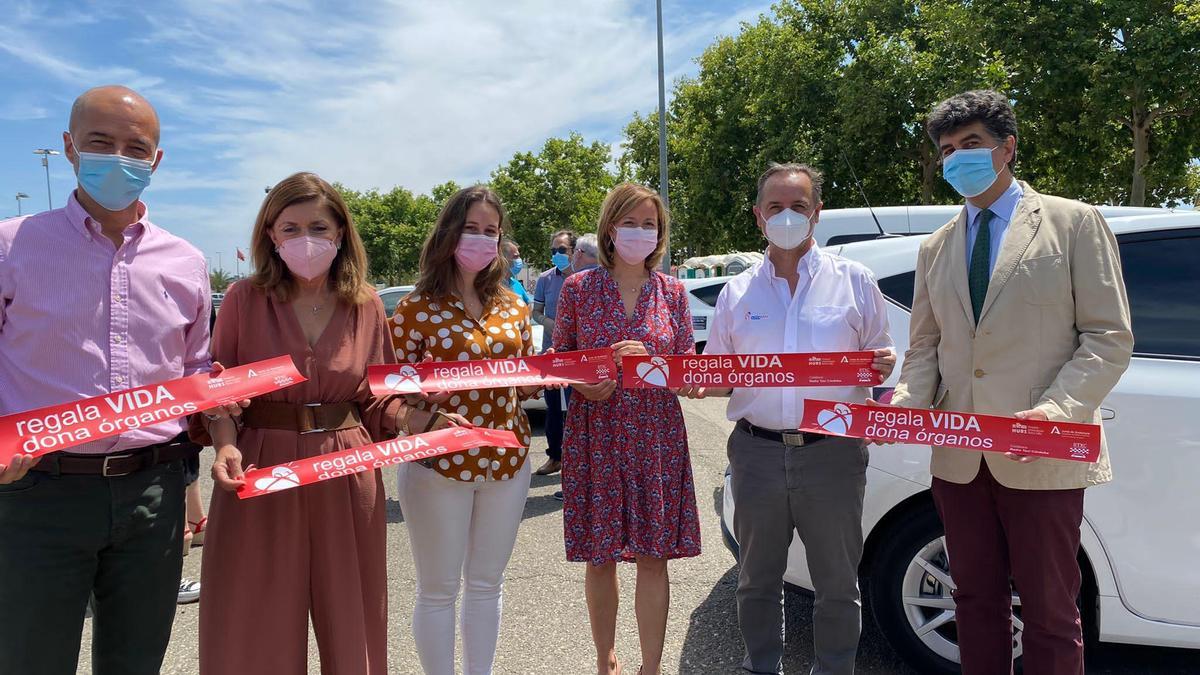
[1164,291]
[390,300]
[899,288]
[708,294]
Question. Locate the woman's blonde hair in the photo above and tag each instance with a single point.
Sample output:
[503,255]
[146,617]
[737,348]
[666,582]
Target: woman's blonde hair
[439,269]
[347,274]
[620,201]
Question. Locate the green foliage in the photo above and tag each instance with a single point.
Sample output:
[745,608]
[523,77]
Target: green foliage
[559,187]
[219,280]
[1105,93]
[393,226]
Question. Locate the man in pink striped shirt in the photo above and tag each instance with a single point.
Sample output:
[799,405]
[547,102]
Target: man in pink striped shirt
[94,298]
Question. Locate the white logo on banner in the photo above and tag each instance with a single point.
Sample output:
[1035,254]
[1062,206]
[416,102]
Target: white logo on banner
[836,421]
[654,371]
[404,382]
[281,478]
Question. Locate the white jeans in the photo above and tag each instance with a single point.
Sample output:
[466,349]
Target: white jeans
[459,531]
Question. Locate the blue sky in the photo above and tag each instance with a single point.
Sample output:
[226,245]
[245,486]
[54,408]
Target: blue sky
[372,94]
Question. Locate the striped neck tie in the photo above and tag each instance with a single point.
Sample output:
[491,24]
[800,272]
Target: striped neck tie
[980,270]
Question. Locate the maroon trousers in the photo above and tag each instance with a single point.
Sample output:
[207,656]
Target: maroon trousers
[994,534]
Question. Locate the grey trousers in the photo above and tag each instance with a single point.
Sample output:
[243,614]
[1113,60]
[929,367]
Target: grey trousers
[816,490]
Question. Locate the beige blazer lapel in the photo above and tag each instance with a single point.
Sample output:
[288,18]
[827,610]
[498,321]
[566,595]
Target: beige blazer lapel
[1020,233]
[956,248]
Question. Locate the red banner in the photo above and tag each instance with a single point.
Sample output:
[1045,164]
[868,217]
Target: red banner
[828,369]
[592,365]
[45,430]
[371,457]
[970,431]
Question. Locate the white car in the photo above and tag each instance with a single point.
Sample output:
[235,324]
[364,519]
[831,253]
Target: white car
[392,296]
[702,301]
[843,226]
[1140,541]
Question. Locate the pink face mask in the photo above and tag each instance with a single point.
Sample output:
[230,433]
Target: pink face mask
[634,244]
[476,251]
[307,257]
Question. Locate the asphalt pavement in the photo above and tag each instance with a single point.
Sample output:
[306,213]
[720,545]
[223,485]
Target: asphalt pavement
[545,627]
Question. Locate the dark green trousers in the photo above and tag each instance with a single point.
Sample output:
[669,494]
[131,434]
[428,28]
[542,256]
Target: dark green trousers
[65,538]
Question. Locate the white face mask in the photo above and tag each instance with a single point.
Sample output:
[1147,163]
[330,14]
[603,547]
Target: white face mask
[788,229]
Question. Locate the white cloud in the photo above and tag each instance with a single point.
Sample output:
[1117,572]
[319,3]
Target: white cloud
[26,48]
[390,93]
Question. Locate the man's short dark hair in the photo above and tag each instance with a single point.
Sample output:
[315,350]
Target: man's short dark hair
[569,234]
[815,177]
[980,105]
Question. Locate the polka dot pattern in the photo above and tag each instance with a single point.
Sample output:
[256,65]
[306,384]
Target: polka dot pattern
[445,331]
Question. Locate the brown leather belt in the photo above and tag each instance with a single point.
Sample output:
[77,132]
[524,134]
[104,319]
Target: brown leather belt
[118,464]
[304,418]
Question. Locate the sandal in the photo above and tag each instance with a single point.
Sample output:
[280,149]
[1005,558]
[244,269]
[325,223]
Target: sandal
[197,529]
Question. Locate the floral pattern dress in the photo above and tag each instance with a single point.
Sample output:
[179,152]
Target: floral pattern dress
[627,475]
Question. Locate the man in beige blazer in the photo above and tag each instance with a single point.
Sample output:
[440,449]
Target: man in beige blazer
[1019,310]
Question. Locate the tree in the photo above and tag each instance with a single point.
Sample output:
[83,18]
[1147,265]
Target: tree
[833,84]
[219,280]
[559,187]
[1103,89]
[757,98]
[1113,84]
[903,57]
[393,227]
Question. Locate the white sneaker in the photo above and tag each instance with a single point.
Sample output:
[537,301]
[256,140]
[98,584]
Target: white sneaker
[189,591]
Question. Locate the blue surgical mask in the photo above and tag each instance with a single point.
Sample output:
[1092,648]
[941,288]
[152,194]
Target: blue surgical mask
[561,260]
[113,181]
[970,172]
[516,266]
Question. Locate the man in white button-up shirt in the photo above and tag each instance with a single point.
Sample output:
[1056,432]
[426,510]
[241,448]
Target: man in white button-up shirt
[798,299]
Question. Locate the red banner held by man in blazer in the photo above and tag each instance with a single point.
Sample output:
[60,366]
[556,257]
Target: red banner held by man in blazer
[970,431]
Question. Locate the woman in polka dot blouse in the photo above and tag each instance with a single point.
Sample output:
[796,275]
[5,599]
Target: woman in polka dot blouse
[462,510]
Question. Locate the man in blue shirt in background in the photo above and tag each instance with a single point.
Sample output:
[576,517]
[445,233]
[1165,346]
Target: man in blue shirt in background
[545,307]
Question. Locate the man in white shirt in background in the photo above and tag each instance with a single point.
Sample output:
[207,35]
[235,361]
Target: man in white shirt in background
[798,299]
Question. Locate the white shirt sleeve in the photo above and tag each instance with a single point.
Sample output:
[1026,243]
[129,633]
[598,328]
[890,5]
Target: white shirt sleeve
[875,319]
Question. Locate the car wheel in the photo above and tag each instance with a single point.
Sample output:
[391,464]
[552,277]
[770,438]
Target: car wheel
[910,591]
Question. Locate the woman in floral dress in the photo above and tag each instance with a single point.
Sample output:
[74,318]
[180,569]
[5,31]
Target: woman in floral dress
[627,476]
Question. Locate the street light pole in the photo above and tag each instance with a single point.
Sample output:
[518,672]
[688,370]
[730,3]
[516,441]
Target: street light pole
[20,196]
[662,132]
[45,153]
[220,265]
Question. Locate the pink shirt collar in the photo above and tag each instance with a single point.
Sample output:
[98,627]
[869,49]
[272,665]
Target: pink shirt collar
[88,227]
